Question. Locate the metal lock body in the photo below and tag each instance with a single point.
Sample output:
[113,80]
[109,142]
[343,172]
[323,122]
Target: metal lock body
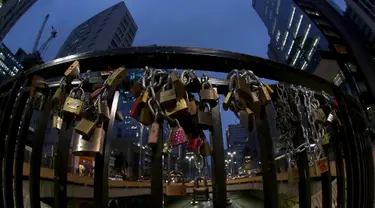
[240,103]
[103,109]
[59,95]
[73,71]
[208,94]
[167,146]
[247,118]
[176,184]
[178,135]
[324,140]
[255,104]
[146,118]
[85,127]
[264,96]
[180,108]
[57,122]
[167,97]
[205,149]
[73,104]
[136,110]
[178,85]
[319,115]
[242,88]
[192,104]
[88,147]
[153,135]
[200,193]
[116,77]
[205,117]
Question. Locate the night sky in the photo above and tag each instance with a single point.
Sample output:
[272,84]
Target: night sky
[220,24]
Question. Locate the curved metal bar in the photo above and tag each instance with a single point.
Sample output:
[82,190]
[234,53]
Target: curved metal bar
[182,58]
[11,143]
[20,152]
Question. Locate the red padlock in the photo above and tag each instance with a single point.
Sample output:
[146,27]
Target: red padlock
[194,145]
[136,110]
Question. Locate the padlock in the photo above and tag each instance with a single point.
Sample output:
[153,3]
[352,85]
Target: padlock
[85,127]
[226,102]
[176,184]
[57,122]
[91,146]
[119,116]
[136,109]
[205,117]
[193,76]
[322,164]
[247,118]
[178,135]
[97,92]
[73,104]
[208,94]
[103,108]
[167,97]
[200,193]
[153,135]
[72,72]
[192,104]
[239,102]
[178,86]
[205,149]
[180,108]
[116,77]
[194,145]
[264,96]
[136,89]
[255,104]
[146,117]
[325,139]
[319,115]
[242,88]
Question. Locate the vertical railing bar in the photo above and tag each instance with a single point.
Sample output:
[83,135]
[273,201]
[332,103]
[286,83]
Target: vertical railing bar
[370,163]
[20,152]
[61,164]
[364,169]
[327,182]
[157,183]
[340,171]
[101,187]
[16,115]
[37,150]
[219,186]
[3,129]
[269,172]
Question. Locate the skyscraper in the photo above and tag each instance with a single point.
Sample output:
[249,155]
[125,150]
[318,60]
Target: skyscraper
[9,65]
[111,28]
[10,13]
[312,35]
[362,14]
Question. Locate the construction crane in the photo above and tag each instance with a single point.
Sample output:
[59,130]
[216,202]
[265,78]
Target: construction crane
[35,57]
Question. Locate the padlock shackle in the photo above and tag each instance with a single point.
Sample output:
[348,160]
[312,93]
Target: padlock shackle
[198,179]
[233,72]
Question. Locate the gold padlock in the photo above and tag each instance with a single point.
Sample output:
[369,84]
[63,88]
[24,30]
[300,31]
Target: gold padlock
[146,118]
[319,115]
[264,96]
[227,100]
[181,108]
[85,127]
[178,85]
[91,146]
[325,139]
[116,77]
[255,104]
[72,72]
[103,109]
[176,184]
[57,122]
[73,104]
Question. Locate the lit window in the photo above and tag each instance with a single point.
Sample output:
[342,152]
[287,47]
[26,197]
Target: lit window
[339,78]
[313,47]
[2,56]
[351,67]
[312,12]
[341,49]
[304,65]
[306,34]
[292,16]
[298,25]
[290,48]
[296,57]
[285,38]
[277,36]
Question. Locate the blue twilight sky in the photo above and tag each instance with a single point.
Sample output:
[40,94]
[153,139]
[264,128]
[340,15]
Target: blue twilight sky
[220,24]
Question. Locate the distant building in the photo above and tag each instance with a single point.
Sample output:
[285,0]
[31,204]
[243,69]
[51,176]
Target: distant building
[10,13]
[109,29]
[362,15]
[9,65]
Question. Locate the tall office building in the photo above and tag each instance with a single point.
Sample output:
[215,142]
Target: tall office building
[10,13]
[111,28]
[362,14]
[9,65]
[304,36]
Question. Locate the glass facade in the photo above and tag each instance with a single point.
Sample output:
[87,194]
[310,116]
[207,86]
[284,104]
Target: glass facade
[9,65]
[294,37]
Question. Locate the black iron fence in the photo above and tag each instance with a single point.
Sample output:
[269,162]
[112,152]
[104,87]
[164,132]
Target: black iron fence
[351,144]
